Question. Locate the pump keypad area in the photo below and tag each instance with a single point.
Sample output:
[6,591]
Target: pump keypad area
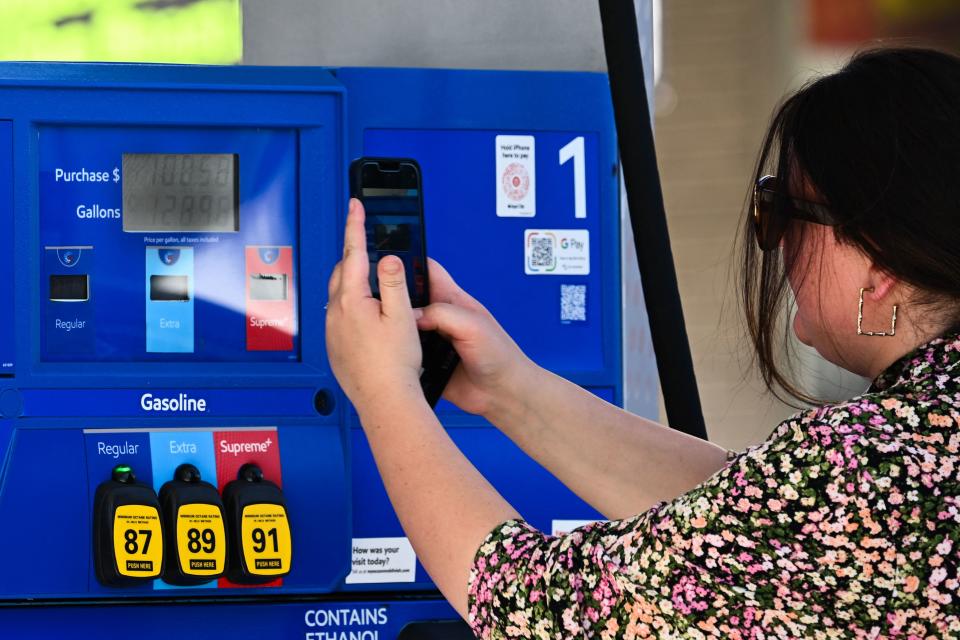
[186,533]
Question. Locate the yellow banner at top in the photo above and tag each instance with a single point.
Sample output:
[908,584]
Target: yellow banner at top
[177,31]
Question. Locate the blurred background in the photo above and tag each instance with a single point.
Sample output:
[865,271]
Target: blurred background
[725,67]
[719,69]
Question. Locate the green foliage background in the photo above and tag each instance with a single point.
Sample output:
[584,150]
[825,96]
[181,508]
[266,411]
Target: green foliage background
[180,31]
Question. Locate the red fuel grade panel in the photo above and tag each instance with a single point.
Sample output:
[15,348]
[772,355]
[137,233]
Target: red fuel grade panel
[235,449]
[271,314]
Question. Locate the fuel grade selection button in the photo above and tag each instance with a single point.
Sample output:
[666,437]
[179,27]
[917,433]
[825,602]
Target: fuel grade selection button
[260,544]
[196,538]
[127,531]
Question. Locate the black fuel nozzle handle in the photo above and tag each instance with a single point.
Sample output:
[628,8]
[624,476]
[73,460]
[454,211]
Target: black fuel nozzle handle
[123,473]
[187,473]
[250,472]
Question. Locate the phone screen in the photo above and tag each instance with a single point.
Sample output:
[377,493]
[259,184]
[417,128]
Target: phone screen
[394,227]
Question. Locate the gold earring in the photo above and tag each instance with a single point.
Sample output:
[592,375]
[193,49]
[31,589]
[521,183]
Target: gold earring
[880,334]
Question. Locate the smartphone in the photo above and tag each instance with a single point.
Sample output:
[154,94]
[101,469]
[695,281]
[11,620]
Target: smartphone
[391,193]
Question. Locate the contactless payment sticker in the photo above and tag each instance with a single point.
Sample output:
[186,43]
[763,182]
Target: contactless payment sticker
[557,252]
[265,532]
[201,540]
[516,176]
[137,541]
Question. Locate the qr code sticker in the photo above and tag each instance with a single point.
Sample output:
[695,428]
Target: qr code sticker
[541,252]
[573,303]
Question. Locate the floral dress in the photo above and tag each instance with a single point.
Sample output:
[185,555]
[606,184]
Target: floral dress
[843,524]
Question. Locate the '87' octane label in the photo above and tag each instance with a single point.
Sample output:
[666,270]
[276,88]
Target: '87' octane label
[137,541]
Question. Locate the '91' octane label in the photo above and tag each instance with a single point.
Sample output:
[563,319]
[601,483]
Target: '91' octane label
[266,539]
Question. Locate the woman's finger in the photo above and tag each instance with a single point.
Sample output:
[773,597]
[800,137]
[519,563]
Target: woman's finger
[394,297]
[355,274]
[449,320]
[443,288]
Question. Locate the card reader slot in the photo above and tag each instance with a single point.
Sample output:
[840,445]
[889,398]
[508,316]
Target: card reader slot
[70,288]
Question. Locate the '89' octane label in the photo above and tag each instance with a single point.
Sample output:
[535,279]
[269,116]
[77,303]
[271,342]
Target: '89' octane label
[201,540]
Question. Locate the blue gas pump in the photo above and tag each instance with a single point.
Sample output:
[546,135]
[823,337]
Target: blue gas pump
[128,349]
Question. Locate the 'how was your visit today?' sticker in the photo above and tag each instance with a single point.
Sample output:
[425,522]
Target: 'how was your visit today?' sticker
[380,560]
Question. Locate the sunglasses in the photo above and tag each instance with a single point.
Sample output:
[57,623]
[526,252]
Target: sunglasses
[773,210]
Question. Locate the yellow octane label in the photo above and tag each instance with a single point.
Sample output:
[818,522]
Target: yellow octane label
[201,540]
[266,539]
[137,541]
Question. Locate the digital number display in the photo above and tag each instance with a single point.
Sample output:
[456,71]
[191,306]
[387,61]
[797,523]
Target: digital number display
[268,286]
[69,288]
[188,192]
[169,288]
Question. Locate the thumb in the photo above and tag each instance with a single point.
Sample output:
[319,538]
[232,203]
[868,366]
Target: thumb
[394,297]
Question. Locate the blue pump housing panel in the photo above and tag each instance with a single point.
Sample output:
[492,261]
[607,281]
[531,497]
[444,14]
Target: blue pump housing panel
[453,124]
[166,236]
[7,335]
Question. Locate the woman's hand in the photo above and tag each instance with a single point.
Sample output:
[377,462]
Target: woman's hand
[372,345]
[492,366]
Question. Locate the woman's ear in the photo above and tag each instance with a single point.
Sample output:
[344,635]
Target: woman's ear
[880,284]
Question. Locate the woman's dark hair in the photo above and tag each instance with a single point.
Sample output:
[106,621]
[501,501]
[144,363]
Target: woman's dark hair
[878,142]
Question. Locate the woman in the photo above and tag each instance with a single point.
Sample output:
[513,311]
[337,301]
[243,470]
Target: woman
[842,524]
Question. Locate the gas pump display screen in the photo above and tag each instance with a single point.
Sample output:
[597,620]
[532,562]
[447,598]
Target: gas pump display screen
[180,192]
[170,244]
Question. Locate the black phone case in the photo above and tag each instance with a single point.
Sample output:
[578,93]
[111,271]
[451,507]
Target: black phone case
[440,359]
